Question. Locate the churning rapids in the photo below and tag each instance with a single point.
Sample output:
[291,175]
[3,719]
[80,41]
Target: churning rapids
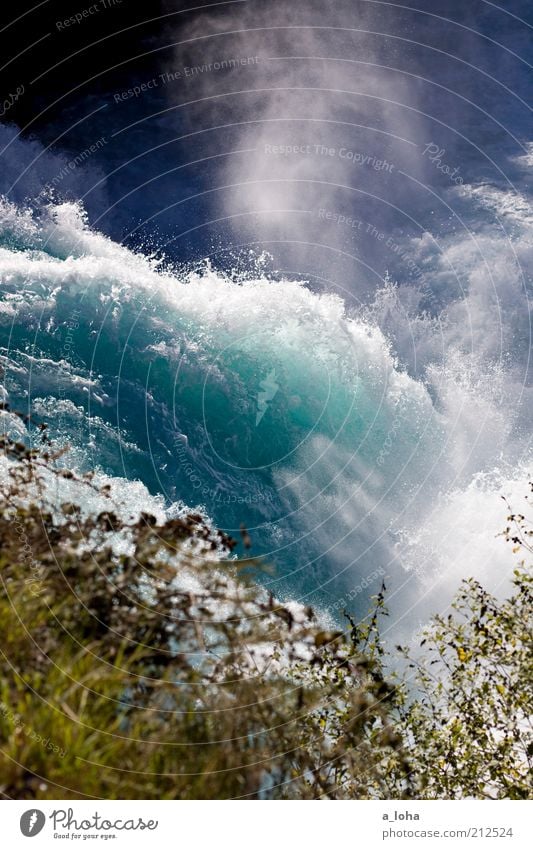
[266,403]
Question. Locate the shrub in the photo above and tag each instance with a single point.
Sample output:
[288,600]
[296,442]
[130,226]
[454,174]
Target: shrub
[469,729]
[138,660]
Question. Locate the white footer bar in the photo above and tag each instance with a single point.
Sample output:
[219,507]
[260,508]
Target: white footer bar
[267,825]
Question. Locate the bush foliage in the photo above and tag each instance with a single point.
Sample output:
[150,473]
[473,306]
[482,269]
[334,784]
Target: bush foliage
[162,671]
[139,660]
[470,725]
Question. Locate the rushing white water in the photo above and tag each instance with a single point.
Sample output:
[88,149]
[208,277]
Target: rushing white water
[352,444]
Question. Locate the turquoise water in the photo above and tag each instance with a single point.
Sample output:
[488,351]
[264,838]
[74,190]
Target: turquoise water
[260,402]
